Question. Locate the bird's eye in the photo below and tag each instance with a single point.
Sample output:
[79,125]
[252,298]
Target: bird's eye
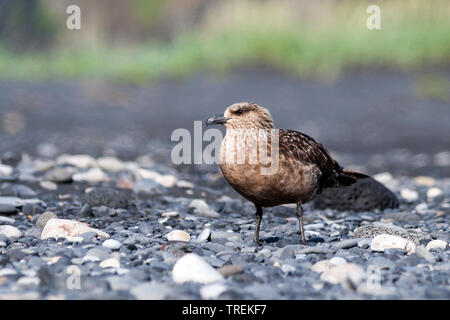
[239,111]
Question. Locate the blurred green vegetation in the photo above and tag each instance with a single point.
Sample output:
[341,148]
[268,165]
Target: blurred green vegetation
[414,35]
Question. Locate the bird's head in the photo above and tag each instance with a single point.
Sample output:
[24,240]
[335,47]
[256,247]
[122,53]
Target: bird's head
[244,115]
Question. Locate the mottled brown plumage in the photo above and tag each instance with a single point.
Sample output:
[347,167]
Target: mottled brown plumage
[299,167]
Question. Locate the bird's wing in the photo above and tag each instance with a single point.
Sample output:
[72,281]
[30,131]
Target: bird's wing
[307,150]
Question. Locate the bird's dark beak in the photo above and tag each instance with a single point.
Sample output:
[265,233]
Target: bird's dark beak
[219,119]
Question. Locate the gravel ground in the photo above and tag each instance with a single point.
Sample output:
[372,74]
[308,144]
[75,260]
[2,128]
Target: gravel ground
[153,232]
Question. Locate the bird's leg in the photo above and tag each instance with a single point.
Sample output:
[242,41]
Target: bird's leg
[259,214]
[300,223]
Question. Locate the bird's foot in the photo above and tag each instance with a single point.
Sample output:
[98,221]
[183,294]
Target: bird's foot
[258,243]
[303,241]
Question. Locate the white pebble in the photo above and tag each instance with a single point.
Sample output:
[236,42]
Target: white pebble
[81,161]
[325,265]
[7,272]
[383,177]
[28,281]
[112,244]
[424,181]
[287,268]
[212,291]
[201,208]
[193,268]
[387,241]
[48,185]
[421,208]
[64,228]
[110,263]
[341,272]
[178,235]
[436,244]
[409,195]
[185,184]
[169,214]
[434,192]
[110,164]
[204,235]
[10,231]
[167,181]
[92,175]
[5,170]
[6,220]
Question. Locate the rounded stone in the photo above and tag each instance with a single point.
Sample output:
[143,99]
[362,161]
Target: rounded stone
[43,218]
[436,244]
[192,268]
[178,235]
[112,244]
[10,231]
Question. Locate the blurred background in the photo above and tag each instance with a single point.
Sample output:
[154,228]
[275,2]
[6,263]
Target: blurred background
[138,69]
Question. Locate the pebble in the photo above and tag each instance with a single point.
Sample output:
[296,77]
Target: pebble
[287,268]
[204,236]
[310,250]
[48,185]
[325,265]
[231,269]
[148,186]
[7,208]
[112,244]
[151,291]
[424,181]
[28,281]
[43,219]
[346,244]
[185,184]
[110,164]
[342,272]
[178,235]
[409,195]
[193,268]
[97,254]
[377,228]
[110,263]
[80,161]
[436,244]
[434,192]
[7,272]
[169,214]
[385,241]
[63,228]
[5,170]
[6,220]
[59,175]
[167,181]
[425,254]
[92,175]
[10,231]
[212,291]
[201,208]
[384,177]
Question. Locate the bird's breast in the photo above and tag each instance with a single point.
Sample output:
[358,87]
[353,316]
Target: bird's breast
[273,178]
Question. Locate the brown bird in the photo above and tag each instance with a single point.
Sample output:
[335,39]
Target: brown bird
[270,167]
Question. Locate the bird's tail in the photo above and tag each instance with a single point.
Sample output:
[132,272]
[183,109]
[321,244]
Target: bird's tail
[348,177]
